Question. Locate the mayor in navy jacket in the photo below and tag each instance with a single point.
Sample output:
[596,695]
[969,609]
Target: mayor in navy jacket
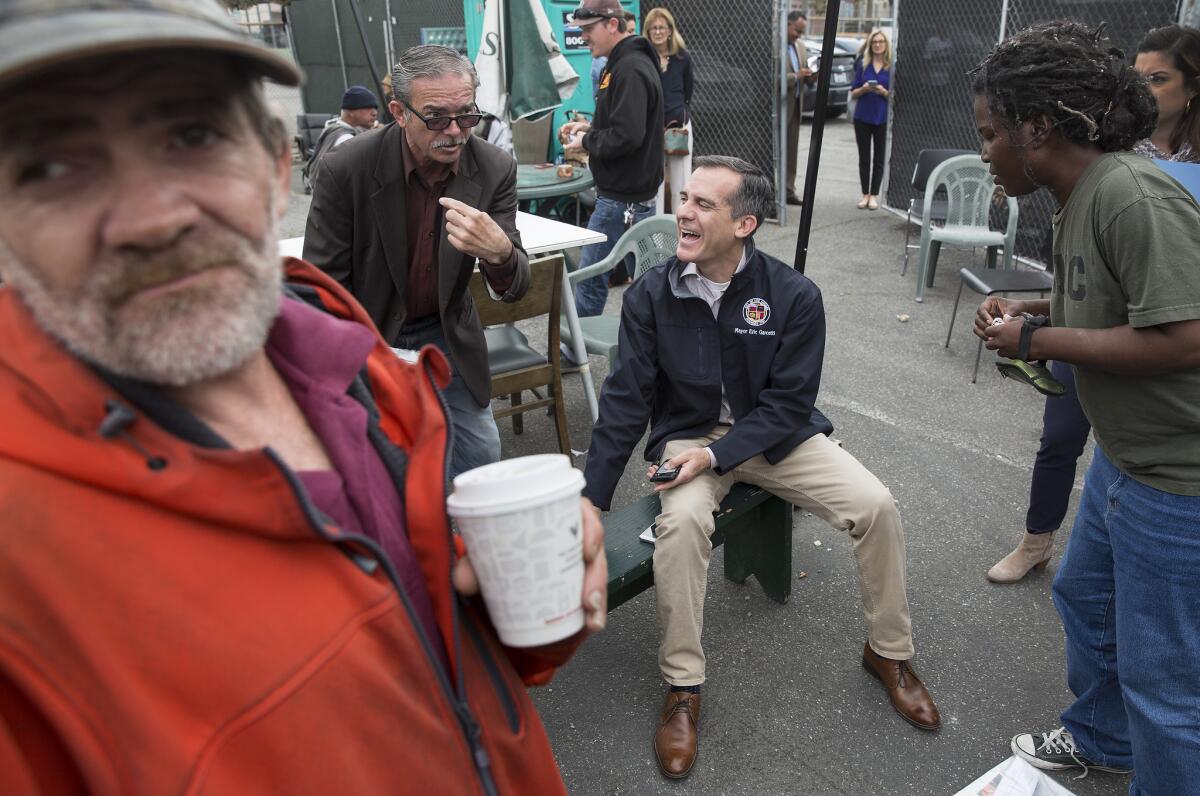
[765,348]
[720,349]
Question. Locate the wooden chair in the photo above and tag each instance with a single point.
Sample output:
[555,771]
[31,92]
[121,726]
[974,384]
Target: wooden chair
[514,364]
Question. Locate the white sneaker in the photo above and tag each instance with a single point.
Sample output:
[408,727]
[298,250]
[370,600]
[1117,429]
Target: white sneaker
[1056,751]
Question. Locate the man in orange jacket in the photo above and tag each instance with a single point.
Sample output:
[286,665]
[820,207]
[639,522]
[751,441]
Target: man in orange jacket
[225,563]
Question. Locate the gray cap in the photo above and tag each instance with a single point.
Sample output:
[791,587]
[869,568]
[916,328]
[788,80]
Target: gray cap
[38,34]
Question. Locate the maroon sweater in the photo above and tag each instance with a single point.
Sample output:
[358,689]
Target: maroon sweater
[318,357]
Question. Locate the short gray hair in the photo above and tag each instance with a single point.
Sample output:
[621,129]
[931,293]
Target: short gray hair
[428,60]
[754,197]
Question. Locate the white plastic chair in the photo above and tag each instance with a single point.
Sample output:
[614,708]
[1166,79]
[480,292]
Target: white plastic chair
[651,241]
[969,190]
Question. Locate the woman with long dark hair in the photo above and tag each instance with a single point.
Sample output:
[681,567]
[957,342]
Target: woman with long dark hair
[1169,59]
[1058,107]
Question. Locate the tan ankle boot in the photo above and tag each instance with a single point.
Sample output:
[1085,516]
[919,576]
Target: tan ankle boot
[1033,552]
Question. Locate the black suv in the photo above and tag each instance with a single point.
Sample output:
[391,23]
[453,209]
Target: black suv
[840,78]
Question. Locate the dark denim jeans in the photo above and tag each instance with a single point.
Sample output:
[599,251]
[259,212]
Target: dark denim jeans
[609,218]
[1129,597]
[1064,434]
[476,437]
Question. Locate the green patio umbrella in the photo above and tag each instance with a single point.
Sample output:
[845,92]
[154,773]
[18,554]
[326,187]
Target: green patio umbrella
[522,72]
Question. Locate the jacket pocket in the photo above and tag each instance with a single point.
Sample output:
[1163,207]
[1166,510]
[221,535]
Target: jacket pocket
[681,352]
[500,685]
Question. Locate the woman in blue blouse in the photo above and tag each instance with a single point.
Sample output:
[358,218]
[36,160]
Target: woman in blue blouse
[872,87]
[675,69]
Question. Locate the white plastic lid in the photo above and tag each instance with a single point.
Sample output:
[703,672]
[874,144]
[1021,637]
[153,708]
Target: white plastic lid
[513,484]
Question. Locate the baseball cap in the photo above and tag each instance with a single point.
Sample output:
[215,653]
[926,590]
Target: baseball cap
[592,11]
[38,34]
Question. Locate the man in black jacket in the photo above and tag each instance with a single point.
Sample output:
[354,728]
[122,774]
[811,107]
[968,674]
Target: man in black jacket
[721,350]
[624,142]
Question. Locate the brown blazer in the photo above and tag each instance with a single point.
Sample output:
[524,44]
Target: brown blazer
[356,233]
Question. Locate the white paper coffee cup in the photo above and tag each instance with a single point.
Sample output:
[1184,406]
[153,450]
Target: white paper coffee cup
[523,525]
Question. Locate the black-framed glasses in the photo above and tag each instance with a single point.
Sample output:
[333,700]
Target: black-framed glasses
[465,121]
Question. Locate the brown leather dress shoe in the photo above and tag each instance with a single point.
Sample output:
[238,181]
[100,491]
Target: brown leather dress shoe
[675,741]
[905,689]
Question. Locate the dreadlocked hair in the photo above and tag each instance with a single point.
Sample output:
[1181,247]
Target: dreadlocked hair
[1068,73]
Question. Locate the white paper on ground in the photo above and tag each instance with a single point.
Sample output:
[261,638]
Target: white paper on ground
[1014,777]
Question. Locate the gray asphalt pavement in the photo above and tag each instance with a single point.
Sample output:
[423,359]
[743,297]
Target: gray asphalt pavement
[787,708]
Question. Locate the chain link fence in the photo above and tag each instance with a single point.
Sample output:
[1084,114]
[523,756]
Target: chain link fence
[328,45]
[939,41]
[736,49]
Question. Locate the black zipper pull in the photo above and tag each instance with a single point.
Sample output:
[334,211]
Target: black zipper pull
[117,420]
[475,737]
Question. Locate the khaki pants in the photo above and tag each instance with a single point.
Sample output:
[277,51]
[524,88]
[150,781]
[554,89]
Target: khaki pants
[818,476]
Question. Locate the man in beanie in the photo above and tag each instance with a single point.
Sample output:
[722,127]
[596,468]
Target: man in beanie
[360,112]
[225,564]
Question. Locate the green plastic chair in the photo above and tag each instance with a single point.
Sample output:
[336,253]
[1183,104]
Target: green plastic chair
[651,241]
[969,190]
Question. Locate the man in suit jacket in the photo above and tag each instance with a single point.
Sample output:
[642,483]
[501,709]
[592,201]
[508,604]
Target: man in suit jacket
[798,76]
[399,216]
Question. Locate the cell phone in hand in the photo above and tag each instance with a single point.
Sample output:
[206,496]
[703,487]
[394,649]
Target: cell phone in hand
[664,473]
[872,83]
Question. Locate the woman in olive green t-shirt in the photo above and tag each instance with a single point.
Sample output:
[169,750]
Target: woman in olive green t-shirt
[1057,107]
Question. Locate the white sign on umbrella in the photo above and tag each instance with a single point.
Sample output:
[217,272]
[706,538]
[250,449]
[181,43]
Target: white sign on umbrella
[522,72]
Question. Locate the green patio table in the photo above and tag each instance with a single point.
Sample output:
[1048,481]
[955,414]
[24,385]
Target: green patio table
[543,182]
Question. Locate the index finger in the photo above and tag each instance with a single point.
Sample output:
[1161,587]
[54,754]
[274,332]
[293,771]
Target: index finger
[454,204]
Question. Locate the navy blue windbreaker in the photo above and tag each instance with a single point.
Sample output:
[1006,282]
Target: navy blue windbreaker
[766,346]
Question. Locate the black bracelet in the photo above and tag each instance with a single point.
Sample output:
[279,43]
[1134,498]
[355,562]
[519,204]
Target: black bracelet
[1032,324]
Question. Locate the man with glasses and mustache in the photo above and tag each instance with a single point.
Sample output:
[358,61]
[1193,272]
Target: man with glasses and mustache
[225,563]
[399,216]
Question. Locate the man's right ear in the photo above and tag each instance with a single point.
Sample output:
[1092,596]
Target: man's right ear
[745,227]
[397,110]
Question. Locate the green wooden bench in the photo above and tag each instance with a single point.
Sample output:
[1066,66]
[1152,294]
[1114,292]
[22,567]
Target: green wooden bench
[754,525]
